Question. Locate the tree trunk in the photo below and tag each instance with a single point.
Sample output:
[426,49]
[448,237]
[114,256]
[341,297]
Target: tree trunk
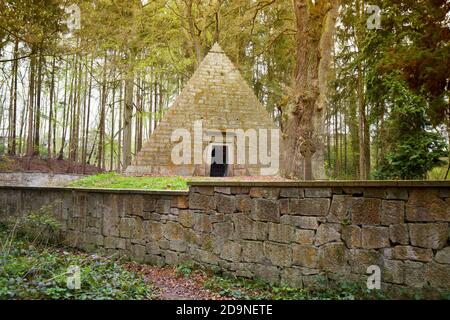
[127,118]
[13,102]
[303,134]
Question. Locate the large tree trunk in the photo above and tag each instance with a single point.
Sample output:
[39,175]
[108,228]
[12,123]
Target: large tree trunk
[13,102]
[303,134]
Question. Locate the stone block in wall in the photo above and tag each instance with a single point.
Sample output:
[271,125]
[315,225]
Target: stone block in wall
[301,222]
[178,245]
[186,218]
[392,212]
[231,251]
[126,227]
[304,237]
[149,204]
[351,235]
[414,274]
[340,208]
[223,230]
[181,202]
[240,190]
[393,271]
[318,192]
[252,251]
[309,206]
[366,211]
[225,190]
[137,205]
[201,201]
[206,257]
[412,253]
[173,231]
[278,254]
[291,193]
[153,230]
[443,256]
[280,232]
[138,252]
[424,205]
[269,274]
[374,193]
[202,222]
[437,275]
[374,237]
[399,234]
[328,232]
[305,256]
[225,203]
[248,229]
[154,260]
[152,248]
[163,206]
[265,210]
[360,259]
[396,194]
[244,203]
[264,192]
[332,257]
[428,235]
[292,277]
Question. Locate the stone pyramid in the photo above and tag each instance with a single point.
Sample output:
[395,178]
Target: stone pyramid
[217,95]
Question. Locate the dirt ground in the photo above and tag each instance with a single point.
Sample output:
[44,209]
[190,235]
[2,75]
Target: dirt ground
[35,164]
[169,285]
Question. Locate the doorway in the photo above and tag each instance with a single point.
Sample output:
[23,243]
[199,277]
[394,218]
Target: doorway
[219,161]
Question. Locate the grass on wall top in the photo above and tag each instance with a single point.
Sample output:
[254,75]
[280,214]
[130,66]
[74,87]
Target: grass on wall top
[113,180]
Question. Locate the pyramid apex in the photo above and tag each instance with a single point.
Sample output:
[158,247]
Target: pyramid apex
[216,48]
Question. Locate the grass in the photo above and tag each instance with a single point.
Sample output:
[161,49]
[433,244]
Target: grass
[113,180]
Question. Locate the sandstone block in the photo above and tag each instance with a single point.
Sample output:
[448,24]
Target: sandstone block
[328,232]
[304,237]
[252,251]
[280,232]
[366,211]
[278,254]
[305,256]
[392,212]
[351,235]
[332,257]
[266,210]
[398,233]
[443,256]
[424,205]
[309,206]
[375,237]
[225,203]
[412,253]
[429,235]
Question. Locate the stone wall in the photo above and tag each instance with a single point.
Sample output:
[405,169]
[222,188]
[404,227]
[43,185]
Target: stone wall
[293,233]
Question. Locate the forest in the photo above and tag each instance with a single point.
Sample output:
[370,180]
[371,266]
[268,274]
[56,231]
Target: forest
[88,81]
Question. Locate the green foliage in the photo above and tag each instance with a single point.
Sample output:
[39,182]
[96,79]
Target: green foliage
[41,226]
[116,181]
[185,269]
[412,147]
[242,288]
[32,272]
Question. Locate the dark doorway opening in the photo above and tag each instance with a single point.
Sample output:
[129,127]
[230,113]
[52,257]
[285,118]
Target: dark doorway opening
[219,161]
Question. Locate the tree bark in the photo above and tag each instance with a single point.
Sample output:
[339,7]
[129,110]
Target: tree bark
[306,117]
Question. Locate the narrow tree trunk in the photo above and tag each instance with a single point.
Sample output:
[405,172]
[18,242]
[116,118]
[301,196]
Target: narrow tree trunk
[50,114]
[13,102]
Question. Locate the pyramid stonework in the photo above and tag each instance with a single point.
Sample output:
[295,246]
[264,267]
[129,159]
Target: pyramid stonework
[219,97]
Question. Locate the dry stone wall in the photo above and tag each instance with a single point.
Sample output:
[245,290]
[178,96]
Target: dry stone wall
[296,234]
